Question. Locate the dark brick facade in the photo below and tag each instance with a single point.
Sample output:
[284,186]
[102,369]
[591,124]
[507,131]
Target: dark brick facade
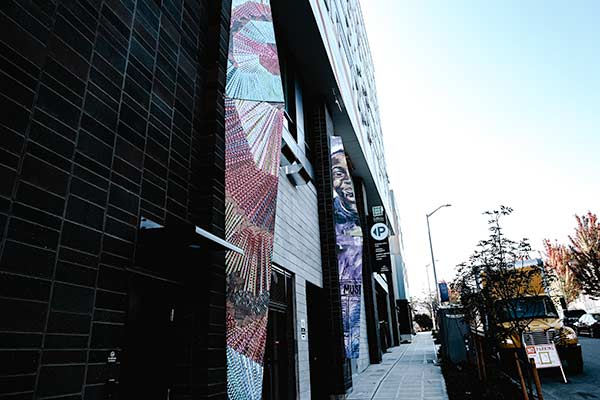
[340,376]
[211,197]
[368,284]
[111,110]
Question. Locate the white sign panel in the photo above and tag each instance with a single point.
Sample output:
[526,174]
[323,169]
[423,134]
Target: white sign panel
[377,211]
[303,329]
[545,355]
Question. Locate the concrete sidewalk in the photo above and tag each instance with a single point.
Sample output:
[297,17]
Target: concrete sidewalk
[408,372]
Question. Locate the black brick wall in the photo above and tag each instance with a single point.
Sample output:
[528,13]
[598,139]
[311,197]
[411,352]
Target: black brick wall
[370,296]
[340,376]
[210,168]
[111,110]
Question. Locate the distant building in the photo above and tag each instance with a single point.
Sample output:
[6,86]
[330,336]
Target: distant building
[401,295]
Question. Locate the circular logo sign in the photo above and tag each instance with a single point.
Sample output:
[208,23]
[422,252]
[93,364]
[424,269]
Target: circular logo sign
[379,231]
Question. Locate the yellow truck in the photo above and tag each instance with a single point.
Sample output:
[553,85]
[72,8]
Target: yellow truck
[531,305]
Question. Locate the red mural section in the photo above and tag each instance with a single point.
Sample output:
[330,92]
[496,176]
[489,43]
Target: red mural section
[253,145]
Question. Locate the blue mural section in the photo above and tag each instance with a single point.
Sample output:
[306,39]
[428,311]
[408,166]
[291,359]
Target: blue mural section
[349,240]
[253,63]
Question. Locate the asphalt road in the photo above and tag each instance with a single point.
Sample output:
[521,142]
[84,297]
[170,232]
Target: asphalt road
[583,386]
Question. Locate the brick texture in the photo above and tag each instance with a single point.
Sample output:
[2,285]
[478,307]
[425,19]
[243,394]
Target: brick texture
[340,378]
[297,248]
[369,294]
[112,110]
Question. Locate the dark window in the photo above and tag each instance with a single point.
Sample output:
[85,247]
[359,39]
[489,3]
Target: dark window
[289,91]
[288,77]
[526,308]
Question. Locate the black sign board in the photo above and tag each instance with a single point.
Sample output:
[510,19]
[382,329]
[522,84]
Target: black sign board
[382,256]
[378,237]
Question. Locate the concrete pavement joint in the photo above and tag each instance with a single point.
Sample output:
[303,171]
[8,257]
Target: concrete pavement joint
[388,372]
[414,376]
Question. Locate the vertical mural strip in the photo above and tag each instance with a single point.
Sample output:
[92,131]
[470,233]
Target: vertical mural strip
[349,240]
[253,126]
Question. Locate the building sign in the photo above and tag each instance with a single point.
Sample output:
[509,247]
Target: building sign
[303,329]
[112,357]
[349,240]
[378,213]
[380,231]
[380,244]
[444,294]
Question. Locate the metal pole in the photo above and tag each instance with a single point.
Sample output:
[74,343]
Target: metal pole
[428,280]
[429,299]
[437,289]
[536,379]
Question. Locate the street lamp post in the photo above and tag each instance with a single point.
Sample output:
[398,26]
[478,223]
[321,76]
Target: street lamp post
[428,281]
[428,300]
[437,288]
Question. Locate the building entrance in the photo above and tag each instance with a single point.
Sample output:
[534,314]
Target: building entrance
[156,344]
[383,311]
[317,341]
[279,379]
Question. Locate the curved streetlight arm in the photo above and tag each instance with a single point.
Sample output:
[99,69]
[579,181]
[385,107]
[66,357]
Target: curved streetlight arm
[442,206]
[437,288]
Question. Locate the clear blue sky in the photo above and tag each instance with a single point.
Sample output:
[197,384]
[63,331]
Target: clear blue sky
[486,103]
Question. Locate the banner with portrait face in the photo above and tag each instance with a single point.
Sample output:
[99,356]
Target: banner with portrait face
[349,240]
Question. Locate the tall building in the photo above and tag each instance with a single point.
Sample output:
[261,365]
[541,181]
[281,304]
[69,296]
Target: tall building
[194,201]
[343,33]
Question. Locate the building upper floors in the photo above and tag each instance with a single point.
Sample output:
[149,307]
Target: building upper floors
[324,52]
[345,40]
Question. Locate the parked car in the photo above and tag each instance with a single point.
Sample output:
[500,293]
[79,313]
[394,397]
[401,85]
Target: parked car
[589,324]
[572,316]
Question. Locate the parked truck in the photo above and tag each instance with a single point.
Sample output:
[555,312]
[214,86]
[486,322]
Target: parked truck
[531,304]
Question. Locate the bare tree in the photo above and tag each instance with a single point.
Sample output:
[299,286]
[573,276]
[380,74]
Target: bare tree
[424,303]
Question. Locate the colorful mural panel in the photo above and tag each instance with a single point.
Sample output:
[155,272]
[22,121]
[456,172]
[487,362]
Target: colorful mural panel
[253,65]
[253,128]
[349,240]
